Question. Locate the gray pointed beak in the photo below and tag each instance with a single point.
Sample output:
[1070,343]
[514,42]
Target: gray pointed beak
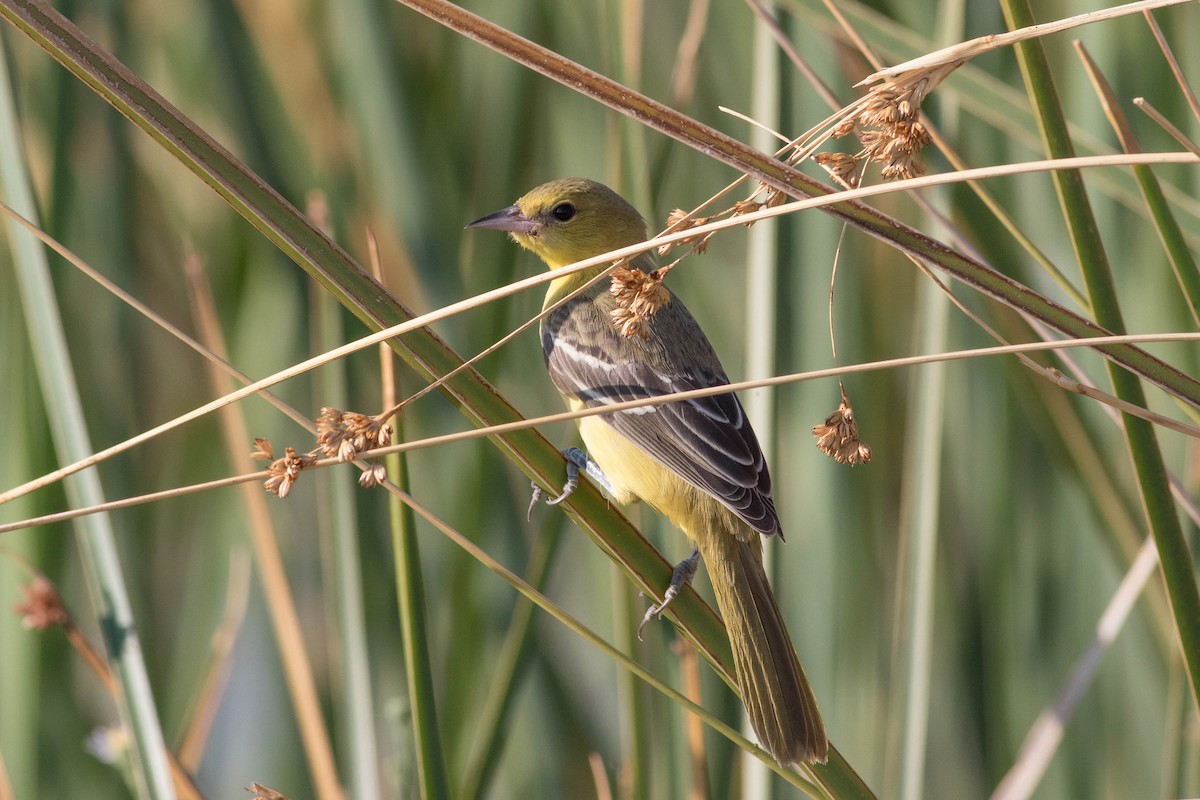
[508,219]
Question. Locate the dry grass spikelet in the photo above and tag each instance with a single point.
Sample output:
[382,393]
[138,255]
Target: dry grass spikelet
[840,166]
[639,296]
[679,217]
[629,324]
[843,128]
[345,434]
[888,121]
[746,207]
[263,450]
[775,198]
[678,220]
[284,472]
[264,792]
[42,607]
[838,438]
[372,476]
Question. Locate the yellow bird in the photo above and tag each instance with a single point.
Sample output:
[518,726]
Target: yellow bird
[696,461]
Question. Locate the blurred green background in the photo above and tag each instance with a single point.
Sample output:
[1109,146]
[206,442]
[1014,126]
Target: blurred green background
[411,130]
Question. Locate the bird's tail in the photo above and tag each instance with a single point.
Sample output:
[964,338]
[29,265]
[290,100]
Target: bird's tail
[776,694]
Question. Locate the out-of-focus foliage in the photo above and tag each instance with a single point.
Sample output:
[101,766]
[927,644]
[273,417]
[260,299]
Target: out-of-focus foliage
[413,131]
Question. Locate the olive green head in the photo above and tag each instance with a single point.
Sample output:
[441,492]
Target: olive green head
[568,220]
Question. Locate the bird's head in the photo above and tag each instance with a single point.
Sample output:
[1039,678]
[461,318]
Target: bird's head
[568,220]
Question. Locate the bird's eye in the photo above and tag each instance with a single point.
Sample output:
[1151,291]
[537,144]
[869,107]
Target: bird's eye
[563,212]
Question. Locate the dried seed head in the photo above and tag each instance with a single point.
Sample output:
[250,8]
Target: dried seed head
[374,475]
[677,221]
[746,207]
[903,167]
[262,450]
[775,198]
[283,472]
[629,324]
[42,607]
[840,166]
[677,216]
[329,430]
[838,438]
[264,792]
[892,133]
[639,296]
[625,284]
[345,434]
[843,128]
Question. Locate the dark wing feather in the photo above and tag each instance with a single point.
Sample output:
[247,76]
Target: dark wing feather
[707,441]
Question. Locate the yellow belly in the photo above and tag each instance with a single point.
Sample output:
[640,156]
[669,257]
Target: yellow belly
[635,476]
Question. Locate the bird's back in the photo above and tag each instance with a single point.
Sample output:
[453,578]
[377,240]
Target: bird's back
[708,441]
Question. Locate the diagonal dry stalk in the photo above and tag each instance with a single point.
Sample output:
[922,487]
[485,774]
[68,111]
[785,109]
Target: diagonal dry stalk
[739,386]
[784,178]
[452,309]
[964,51]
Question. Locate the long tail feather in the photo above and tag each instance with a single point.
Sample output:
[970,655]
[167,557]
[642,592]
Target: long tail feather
[776,694]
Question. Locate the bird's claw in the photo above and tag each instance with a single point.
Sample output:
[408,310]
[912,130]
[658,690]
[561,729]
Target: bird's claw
[537,495]
[570,486]
[577,461]
[681,576]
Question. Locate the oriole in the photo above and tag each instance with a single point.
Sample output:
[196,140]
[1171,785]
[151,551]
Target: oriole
[696,461]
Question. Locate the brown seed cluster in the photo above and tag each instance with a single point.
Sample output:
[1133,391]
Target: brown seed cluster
[677,221]
[264,792]
[42,607]
[891,131]
[838,437]
[340,434]
[888,125]
[283,472]
[639,296]
[372,476]
[345,434]
[840,166]
[773,198]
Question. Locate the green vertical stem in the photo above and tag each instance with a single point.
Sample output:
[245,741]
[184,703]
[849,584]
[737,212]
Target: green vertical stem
[636,737]
[922,488]
[360,750]
[1173,552]
[64,409]
[24,672]
[431,770]
[634,164]
[762,265]
[637,742]
[509,667]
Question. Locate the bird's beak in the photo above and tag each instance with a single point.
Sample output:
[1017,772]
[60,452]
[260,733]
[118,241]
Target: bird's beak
[510,219]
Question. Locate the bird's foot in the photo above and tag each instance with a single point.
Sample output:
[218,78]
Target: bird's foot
[682,575]
[576,460]
[536,495]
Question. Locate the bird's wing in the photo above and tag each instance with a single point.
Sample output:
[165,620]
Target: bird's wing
[707,441]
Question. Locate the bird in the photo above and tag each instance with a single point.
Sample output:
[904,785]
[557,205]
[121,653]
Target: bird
[696,461]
